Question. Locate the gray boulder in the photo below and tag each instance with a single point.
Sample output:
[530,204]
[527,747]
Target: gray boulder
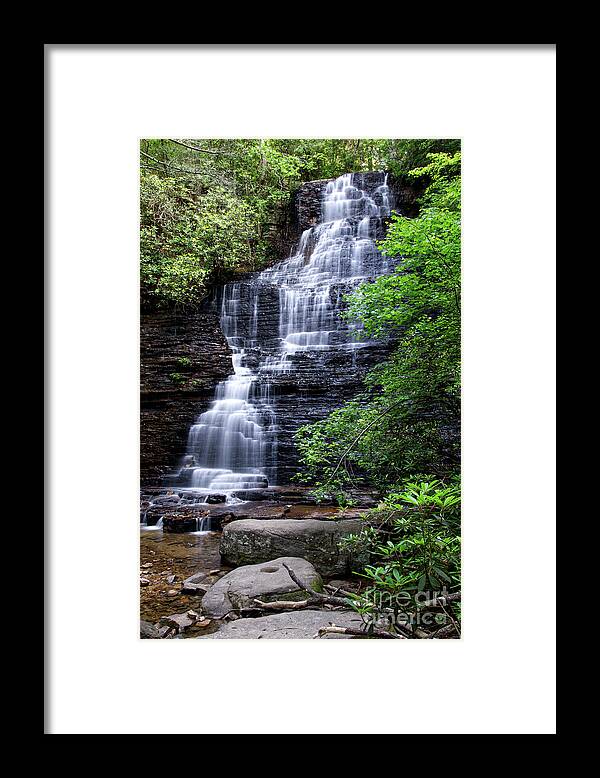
[148,631]
[179,621]
[213,499]
[266,581]
[196,584]
[288,625]
[249,541]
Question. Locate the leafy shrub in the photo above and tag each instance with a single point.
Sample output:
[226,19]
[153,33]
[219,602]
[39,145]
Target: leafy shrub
[413,541]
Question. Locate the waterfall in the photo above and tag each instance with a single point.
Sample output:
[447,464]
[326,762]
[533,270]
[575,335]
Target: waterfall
[233,445]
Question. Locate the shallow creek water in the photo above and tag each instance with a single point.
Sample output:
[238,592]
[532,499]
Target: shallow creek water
[180,555]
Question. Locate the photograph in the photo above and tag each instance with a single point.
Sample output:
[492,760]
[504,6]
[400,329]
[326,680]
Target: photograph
[300,318]
[300,388]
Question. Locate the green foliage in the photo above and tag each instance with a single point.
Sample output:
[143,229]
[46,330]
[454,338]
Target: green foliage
[177,378]
[402,156]
[413,541]
[406,420]
[187,240]
[184,362]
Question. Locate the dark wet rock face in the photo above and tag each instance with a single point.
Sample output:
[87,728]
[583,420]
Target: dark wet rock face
[174,513]
[182,520]
[182,358]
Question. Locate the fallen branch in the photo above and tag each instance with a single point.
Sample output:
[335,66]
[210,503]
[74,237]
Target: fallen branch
[168,166]
[316,596]
[377,633]
[202,151]
[334,590]
[450,616]
[439,602]
[444,632]
[282,605]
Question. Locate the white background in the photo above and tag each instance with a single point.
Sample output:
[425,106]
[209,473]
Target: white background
[500,677]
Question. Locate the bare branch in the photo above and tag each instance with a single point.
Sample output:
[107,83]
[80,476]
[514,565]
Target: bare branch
[338,590]
[377,633]
[167,165]
[445,631]
[439,602]
[201,151]
[316,596]
[282,605]
[359,436]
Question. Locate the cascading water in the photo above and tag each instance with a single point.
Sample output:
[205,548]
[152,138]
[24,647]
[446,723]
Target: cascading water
[233,445]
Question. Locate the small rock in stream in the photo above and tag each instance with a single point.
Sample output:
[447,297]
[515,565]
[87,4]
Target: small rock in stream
[196,584]
[180,621]
[169,499]
[148,631]
[214,499]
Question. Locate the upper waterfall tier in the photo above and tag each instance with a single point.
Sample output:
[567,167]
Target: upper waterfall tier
[279,323]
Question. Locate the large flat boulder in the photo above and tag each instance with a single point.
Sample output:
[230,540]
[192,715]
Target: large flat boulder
[267,581]
[250,541]
[288,625]
[199,583]
[180,622]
